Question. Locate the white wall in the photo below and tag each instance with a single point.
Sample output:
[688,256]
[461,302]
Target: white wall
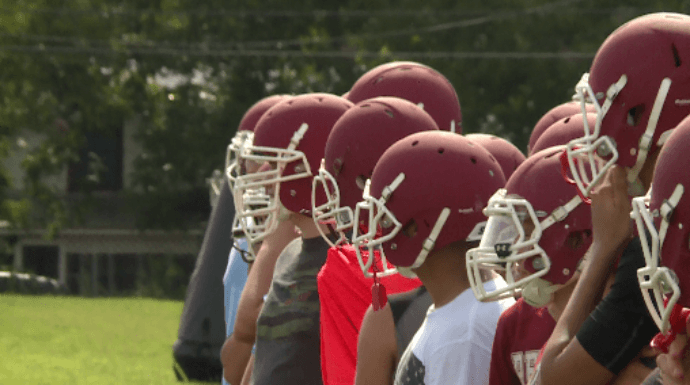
[27,141]
[23,144]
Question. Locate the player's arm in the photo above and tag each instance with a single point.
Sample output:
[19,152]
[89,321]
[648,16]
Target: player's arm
[247,378]
[377,348]
[565,360]
[242,340]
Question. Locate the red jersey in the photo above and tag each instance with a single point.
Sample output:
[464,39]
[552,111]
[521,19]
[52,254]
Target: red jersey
[521,332]
[345,295]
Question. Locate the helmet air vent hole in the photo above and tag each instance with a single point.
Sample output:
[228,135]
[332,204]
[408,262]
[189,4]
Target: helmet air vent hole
[566,120]
[441,150]
[635,114]
[365,105]
[676,56]
[320,99]
[389,113]
[474,160]
[361,181]
[416,142]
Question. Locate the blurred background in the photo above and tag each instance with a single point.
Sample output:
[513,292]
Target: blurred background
[115,114]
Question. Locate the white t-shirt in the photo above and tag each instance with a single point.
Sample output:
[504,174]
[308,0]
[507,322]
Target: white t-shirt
[453,345]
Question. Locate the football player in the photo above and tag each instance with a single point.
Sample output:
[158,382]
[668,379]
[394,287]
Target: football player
[662,222]
[242,256]
[354,145]
[428,216]
[537,237]
[637,102]
[288,145]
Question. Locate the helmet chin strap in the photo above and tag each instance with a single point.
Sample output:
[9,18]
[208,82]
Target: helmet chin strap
[636,188]
[646,140]
[537,293]
[406,272]
[430,241]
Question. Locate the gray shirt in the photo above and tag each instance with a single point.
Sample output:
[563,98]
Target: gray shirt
[288,341]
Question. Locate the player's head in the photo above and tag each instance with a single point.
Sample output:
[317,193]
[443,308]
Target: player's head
[418,83]
[427,191]
[354,145]
[638,83]
[507,155]
[562,131]
[288,146]
[664,229]
[555,114]
[235,164]
[538,231]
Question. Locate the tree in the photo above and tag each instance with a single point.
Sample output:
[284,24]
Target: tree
[187,71]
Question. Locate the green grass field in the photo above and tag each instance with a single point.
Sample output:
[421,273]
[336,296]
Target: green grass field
[68,340]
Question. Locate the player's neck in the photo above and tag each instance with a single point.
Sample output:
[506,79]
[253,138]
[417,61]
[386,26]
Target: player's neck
[560,299]
[444,275]
[306,226]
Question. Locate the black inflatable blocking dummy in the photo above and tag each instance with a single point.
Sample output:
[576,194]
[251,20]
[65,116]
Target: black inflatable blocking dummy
[201,334]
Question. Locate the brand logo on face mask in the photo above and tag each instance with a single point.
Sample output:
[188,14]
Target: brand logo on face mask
[682,102]
[466,211]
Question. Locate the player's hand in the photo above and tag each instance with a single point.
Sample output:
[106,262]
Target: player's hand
[611,224]
[675,365]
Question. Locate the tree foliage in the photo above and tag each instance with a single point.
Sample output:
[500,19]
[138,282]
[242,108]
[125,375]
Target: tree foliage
[187,70]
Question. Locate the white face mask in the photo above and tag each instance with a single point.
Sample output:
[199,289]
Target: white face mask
[659,284]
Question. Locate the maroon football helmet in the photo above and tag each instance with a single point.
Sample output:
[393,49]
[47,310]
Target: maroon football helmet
[289,142]
[639,84]
[354,145]
[663,223]
[545,230]
[553,115]
[418,83]
[245,134]
[561,132]
[507,155]
[427,191]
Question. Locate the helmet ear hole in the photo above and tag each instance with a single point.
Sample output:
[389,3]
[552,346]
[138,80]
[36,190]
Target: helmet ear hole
[676,56]
[635,115]
[410,228]
[577,238]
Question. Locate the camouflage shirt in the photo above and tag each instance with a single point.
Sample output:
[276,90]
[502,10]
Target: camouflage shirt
[287,340]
